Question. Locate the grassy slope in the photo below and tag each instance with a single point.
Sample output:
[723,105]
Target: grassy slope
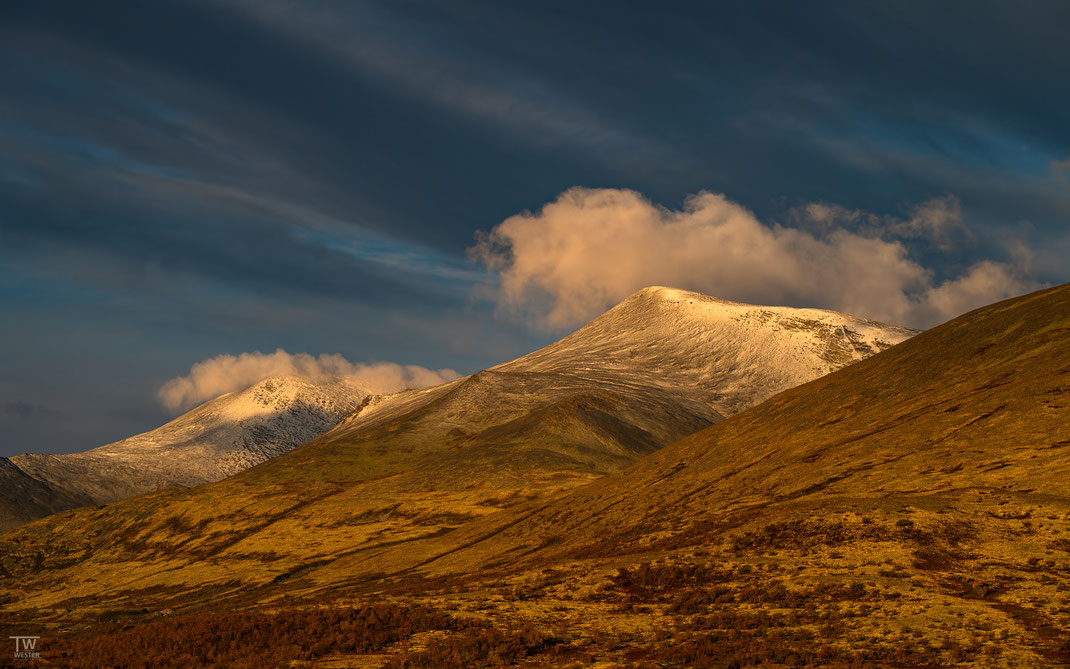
[982,402]
[454,453]
[910,510]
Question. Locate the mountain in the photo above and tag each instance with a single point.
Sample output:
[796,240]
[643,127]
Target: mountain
[972,414]
[909,510]
[658,366]
[912,509]
[733,355]
[419,464]
[217,439]
[24,498]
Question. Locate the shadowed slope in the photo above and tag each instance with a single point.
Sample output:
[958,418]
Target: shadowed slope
[25,498]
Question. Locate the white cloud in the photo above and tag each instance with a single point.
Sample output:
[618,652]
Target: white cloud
[982,284]
[228,373]
[591,248]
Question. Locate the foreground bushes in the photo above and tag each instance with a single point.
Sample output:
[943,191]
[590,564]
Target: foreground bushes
[251,639]
[479,648]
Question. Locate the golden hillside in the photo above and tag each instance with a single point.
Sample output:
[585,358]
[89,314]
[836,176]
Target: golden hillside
[912,509]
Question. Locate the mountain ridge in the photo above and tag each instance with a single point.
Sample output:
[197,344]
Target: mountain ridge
[216,439]
[422,463]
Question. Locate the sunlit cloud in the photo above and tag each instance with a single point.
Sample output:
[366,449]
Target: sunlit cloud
[591,248]
[937,221]
[228,373]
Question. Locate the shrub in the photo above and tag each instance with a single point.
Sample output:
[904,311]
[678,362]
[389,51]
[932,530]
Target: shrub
[478,648]
[251,639]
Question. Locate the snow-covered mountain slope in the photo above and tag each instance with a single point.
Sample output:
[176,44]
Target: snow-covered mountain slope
[737,354]
[725,356]
[217,439]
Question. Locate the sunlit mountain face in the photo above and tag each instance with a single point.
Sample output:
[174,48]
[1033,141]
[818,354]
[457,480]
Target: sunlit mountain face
[413,334]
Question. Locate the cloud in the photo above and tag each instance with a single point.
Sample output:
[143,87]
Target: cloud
[591,248]
[982,284]
[374,42]
[937,221]
[228,373]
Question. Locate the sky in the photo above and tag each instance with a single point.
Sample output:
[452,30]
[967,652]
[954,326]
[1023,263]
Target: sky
[196,191]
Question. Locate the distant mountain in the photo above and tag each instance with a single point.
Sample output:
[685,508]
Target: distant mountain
[217,439]
[657,367]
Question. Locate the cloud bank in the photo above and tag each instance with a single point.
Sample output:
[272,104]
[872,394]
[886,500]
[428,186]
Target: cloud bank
[228,373]
[591,248]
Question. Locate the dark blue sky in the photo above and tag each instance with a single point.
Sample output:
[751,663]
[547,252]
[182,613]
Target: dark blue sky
[185,179]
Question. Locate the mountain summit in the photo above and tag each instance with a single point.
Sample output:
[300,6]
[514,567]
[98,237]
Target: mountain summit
[219,438]
[737,354]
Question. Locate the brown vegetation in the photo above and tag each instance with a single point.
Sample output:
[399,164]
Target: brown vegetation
[249,639]
[479,648]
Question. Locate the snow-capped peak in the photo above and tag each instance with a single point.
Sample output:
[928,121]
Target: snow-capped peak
[740,353]
[279,393]
[219,438]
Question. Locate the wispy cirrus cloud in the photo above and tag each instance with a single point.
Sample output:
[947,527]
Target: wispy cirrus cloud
[192,189]
[307,175]
[375,44]
[23,410]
